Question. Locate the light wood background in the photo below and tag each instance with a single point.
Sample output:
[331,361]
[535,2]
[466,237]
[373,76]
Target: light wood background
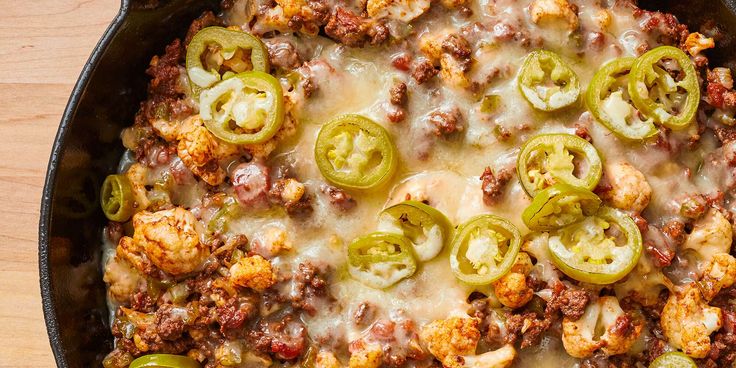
[43,45]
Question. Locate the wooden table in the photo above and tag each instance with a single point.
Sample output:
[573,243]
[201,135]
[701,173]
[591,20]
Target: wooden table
[43,45]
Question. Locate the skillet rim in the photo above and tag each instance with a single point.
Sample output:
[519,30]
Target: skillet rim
[48,302]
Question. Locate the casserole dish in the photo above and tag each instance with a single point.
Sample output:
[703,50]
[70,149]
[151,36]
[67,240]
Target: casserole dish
[102,103]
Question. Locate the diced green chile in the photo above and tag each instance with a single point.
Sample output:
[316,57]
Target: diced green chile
[354,152]
[212,52]
[547,159]
[558,206]
[548,82]
[608,100]
[484,249]
[595,252]
[247,108]
[380,260]
[673,359]
[164,361]
[116,198]
[427,229]
[670,101]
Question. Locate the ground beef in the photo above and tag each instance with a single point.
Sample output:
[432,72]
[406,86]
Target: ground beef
[423,70]
[339,198]
[581,131]
[207,19]
[457,46]
[301,207]
[664,26]
[353,30]
[492,185]
[445,122]
[571,302]
[285,337]
[235,312]
[532,325]
[309,285]
[398,94]
[142,302]
[364,315]
[282,54]
[675,232]
[396,115]
[169,325]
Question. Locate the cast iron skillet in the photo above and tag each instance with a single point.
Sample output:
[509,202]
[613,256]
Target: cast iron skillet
[87,148]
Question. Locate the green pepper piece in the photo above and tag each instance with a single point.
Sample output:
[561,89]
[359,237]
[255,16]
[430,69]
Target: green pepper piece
[116,198]
[426,228]
[164,361]
[484,249]
[673,359]
[669,101]
[547,82]
[608,100]
[593,251]
[558,206]
[215,51]
[547,159]
[354,152]
[245,109]
[219,221]
[380,260]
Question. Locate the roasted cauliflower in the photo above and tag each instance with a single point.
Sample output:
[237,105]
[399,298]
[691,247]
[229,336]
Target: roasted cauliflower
[138,176]
[197,149]
[719,274]
[365,355]
[629,188]
[581,337]
[122,280]
[511,289]
[326,359]
[696,42]
[500,358]
[545,12]
[711,234]
[167,239]
[451,338]
[253,272]
[403,10]
[687,321]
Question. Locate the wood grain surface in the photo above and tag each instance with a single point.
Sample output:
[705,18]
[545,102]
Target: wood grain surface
[43,46]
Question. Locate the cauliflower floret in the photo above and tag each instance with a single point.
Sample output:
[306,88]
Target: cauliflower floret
[579,337]
[453,71]
[168,130]
[511,289]
[197,149]
[687,321]
[138,176]
[326,359]
[122,280]
[403,10]
[500,358]
[629,188]
[603,19]
[712,234]
[449,338]
[431,45]
[167,239]
[253,272]
[365,356]
[549,11]
[696,42]
[719,274]
[273,241]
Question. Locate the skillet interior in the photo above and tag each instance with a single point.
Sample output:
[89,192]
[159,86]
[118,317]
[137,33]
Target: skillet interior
[87,148]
